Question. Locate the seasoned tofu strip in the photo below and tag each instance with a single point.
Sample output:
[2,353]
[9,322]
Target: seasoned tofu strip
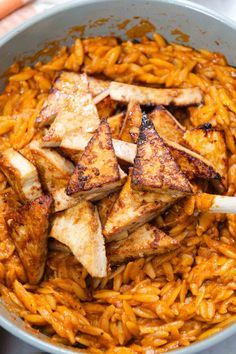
[63,95]
[145,241]
[97,170]
[210,143]
[134,208]
[54,172]
[80,114]
[166,125]
[190,162]
[28,228]
[115,123]
[97,86]
[146,95]
[79,228]
[21,174]
[130,128]
[155,169]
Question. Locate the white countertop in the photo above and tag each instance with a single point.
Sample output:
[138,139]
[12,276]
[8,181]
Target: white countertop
[12,345]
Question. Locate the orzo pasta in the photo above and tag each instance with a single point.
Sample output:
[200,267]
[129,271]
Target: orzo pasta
[160,302]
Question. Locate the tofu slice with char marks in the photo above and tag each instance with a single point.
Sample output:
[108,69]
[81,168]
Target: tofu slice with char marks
[145,241]
[154,167]
[28,228]
[81,114]
[97,171]
[191,164]
[153,96]
[54,172]
[133,209]
[21,174]
[79,228]
[210,143]
[133,119]
[166,125]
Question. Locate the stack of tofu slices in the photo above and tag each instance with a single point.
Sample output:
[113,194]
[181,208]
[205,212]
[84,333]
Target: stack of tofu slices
[110,160]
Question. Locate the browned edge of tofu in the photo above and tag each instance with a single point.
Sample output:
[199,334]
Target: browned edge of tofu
[28,228]
[145,241]
[131,124]
[154,167]
[98,165]
[166,125]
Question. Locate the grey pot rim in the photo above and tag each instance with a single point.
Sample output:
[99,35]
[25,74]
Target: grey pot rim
[25,335]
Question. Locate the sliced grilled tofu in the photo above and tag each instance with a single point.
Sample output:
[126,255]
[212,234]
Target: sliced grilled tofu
[79,228]
[105,205]
[210,143]
[97,171]
[21,174]
[115,123]
[147,95]
[54,172]
[62,96]
[106,107]
[75,143]
[81,114]
[133,119]
[154,167]
[97,86]
[134,208]
[28,228]
[147,240]
[192,164]
[104,208]
[166,125]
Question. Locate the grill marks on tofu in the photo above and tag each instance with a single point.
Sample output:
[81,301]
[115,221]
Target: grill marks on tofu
[192,164]
[97,171]
[166,125]
[153,96]
[154,167]
[21,174]
[134,208]
[210,143]
[147,240]
[79,113]
[28,228]
[133,119]
[79,228]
